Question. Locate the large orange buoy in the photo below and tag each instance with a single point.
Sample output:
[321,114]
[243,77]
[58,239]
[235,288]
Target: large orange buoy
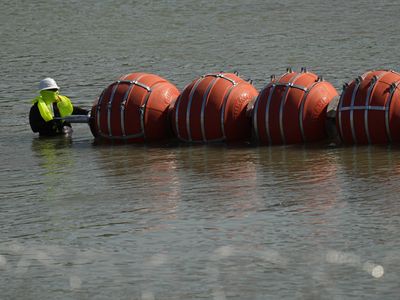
[369,109]
[292,109]
[213,108]
[134,108]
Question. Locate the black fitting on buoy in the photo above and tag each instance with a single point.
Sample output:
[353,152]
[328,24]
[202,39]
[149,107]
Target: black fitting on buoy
[273,77]
[303,70]
[393,86]
[289,70]
[236,73]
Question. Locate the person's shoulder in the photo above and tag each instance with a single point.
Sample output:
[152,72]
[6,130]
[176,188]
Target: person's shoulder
[36,99]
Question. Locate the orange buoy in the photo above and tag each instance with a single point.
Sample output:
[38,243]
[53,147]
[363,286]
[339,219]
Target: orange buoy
[134,108]
[292,109]
[213,108]
[369,110]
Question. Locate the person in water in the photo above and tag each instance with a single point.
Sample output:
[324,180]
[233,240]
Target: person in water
[49,105]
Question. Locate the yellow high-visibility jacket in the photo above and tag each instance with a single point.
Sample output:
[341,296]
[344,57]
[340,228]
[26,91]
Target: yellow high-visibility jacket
[45,104]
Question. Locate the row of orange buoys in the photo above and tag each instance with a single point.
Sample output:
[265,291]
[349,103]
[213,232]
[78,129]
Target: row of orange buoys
[222,107]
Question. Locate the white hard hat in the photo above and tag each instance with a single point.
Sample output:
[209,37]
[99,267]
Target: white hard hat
[48,84]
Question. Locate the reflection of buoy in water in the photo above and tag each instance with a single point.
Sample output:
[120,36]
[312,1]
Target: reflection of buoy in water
[134,108]
[369,110]
[213,108]
[292,109]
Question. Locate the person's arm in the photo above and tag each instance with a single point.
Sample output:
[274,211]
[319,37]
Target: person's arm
[64,105]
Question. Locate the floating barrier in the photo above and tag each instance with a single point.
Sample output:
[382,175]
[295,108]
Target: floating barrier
[213,109]
[292,109]
[134,108]
[369,110]
[222,107]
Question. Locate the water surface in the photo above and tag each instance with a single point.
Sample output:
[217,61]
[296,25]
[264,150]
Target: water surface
[80,220]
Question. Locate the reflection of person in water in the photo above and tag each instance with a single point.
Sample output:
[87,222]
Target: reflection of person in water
[54,158]
[49,105]
[48,152]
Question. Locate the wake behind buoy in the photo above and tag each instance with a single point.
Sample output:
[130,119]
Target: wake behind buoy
[369,110]
[134,108]
[212,108]
[292,109]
